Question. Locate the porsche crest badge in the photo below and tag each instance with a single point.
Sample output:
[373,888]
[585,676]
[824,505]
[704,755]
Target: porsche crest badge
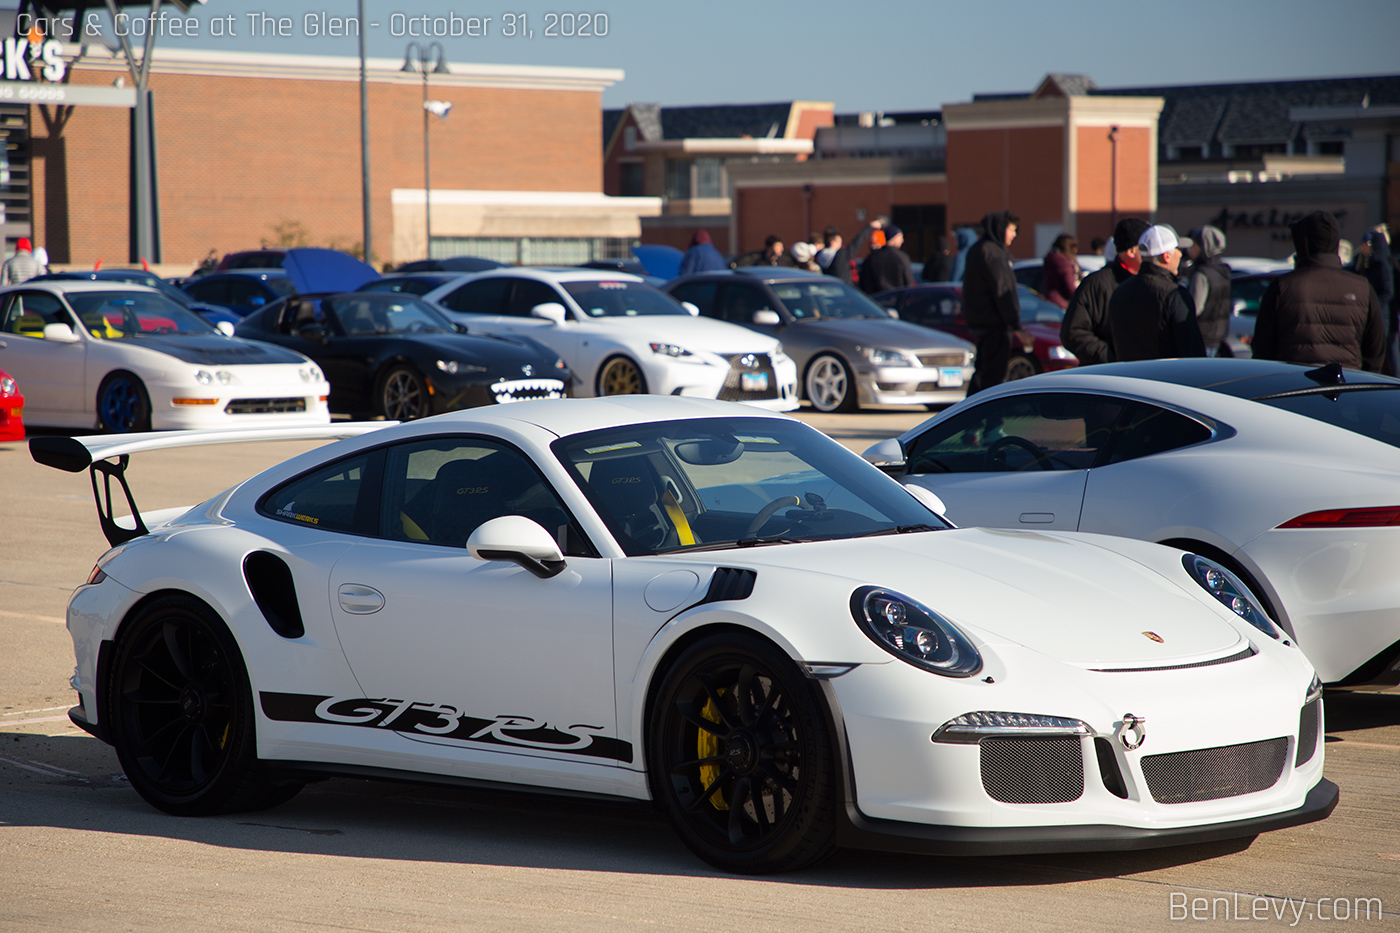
[1155,637]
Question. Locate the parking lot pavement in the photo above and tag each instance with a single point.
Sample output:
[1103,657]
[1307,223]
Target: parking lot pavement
[82,852]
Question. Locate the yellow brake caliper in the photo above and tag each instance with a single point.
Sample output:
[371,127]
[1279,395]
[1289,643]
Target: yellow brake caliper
[707,746]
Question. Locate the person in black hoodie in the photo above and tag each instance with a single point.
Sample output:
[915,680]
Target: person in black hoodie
[1319,313]
[1374,262]
[1209,286]
[1149,316]
[990,304]
[1084,330]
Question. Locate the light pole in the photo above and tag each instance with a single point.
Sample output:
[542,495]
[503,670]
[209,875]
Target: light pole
[425,60]
[364,144]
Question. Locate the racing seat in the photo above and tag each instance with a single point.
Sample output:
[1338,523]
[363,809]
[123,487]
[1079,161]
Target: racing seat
[630,494]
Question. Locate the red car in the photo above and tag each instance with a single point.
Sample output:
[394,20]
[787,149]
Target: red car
[11,409]
[940,307]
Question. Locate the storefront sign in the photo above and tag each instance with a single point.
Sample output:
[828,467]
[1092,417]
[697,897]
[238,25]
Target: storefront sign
[34,92]
[28,61]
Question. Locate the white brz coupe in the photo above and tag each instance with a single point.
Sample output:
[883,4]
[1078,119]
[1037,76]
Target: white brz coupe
[686,601]
[1288,475]
[126,358]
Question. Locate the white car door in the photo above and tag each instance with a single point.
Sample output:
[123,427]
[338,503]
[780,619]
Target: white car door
[49,371]
[1019,461]
[501,305]
[479,654]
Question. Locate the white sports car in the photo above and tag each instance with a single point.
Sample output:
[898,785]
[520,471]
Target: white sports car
[621,336]
[126,358]
[687,601]
[1288,475]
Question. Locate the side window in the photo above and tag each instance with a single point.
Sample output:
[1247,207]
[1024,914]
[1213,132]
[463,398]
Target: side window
[737,303]
[440,491]
[247,294]
[1041,432]
[1149,430]
[932,308]
[215,292]
[700,294]
[296,314]
[340,497]
[28,312]
[527,293]
[484,297]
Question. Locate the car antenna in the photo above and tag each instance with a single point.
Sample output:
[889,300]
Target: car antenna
[1329,375]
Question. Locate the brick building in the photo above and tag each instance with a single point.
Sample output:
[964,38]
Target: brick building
[256,147]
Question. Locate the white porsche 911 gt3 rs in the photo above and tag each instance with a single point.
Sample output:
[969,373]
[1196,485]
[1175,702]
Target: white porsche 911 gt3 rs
[720,610]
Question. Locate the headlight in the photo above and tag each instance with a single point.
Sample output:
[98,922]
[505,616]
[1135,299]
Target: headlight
[447,366]
[7,386]
[914,633]
[1234,595]
[883,357]
[203,377]
[453,367]
[1060,353]
[225,377]
[309,374]
[669,349]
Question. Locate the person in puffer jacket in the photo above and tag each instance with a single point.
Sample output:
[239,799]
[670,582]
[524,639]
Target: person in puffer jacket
[1319,313]
[1209,286]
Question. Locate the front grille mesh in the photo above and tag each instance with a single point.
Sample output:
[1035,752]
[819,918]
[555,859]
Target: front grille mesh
[1215,773]
[1041,769]
[733,390]
[1309,724]
[264,406]
[954,358]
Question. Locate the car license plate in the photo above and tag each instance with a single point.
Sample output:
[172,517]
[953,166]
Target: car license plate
[755,382]
[950,377]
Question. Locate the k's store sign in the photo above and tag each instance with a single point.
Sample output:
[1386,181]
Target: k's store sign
[34,61]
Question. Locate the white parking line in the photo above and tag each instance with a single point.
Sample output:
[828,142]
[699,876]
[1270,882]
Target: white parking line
[26,712]
[38,767]
[26,722]
[30,615]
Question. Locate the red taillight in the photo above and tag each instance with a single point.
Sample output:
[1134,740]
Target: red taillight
[1347,518]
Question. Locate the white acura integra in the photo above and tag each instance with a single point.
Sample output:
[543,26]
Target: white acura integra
[692,602]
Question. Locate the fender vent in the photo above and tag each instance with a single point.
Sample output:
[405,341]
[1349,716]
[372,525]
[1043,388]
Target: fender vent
[730,583]
[270,581]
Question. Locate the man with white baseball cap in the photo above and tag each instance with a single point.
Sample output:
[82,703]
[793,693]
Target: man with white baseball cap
[1150,317]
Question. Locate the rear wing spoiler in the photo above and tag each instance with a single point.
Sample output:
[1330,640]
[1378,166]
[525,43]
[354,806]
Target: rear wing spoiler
[95,454]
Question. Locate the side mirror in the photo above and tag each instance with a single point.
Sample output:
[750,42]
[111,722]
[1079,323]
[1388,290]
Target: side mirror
[257,301]
[519,540]
[892,312]
[887,453]
[551,311]
[928,498]
[225,328]
[767,318]
[60,333]
[694,309]
[460,328]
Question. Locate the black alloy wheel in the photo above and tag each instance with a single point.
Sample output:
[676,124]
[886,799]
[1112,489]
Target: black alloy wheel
[740,759]
[182,714]
[403,395]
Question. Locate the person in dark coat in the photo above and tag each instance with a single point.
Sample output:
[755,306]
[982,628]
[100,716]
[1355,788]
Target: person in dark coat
[887,267]
[990,304]
[1060,274]
[1209,286]
[1319,313]
[835,257]
[938,267]
[1149,316]
[702,256]
[1084,330]
[1374,261]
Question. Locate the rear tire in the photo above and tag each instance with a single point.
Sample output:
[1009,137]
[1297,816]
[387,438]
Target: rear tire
[123,407]
[182,719]
[740,759]
[1021,367]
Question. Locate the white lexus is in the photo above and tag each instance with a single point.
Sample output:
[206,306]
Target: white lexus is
[687,601]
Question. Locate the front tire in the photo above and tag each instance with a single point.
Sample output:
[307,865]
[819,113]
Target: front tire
[621,376]
[403,395]
[123,407]
[830,386]
[181,711]
[1021,367]
[740,759]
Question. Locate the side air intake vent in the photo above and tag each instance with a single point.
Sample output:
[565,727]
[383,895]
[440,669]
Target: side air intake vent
[730,583]
[270,581]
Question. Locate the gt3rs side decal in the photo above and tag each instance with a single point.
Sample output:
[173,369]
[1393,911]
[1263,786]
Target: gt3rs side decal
[442,721]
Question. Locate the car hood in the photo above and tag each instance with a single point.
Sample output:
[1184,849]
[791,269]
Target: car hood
[314,270]
[693,333]
[497,354]
[883,332]
[216,350]
[1068,596]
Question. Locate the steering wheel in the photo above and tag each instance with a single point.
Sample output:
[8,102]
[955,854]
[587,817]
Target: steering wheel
[1003,444]
[767,512]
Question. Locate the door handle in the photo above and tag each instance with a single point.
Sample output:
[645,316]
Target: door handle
[360,600]
[1037,518]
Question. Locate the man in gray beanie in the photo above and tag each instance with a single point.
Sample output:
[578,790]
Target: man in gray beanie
[1209,285]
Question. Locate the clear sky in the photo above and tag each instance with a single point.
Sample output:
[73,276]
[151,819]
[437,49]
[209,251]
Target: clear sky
[891,55]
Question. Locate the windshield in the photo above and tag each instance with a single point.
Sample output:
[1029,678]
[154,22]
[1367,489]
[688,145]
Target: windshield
[825,298]
[621,299]
[114,315]
[375,313]
[1035,309]
[733,482]
[1373,411]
